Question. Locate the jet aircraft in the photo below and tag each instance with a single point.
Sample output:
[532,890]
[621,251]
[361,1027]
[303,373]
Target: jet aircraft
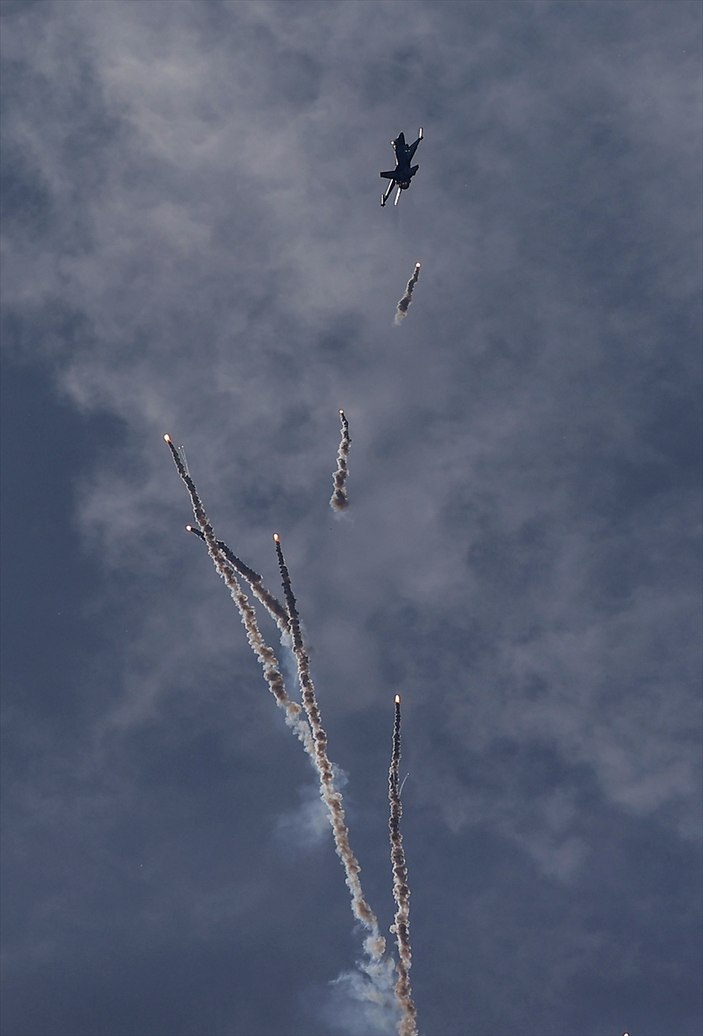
[403,172]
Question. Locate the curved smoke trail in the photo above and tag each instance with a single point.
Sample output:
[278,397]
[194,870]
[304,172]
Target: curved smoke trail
[401,891]
[267,659]
[375,944]
[403,304]
[339,501]
[272,605]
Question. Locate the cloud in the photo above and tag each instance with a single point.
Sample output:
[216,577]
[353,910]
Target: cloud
[194,246]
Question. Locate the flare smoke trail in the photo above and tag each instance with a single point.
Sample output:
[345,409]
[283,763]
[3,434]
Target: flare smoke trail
[401,891]
[267,659]
[403,304]
[339,500]
[272,605]
[375,944]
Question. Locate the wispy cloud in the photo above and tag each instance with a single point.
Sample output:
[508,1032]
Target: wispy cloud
[192,242]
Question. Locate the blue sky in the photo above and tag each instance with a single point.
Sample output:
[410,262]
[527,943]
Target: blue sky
[192,244]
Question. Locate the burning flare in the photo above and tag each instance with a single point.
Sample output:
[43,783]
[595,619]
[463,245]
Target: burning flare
[272,605]
[403,304]
[267,658]
[401,891]
[308,727]
[339,501]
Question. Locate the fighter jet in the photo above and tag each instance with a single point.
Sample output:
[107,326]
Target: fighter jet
[403,172]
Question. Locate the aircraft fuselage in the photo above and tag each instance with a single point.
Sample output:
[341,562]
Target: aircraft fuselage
[403,172]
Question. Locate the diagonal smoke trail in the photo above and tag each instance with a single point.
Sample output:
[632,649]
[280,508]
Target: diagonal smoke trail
[267,659]
[403,304]
[272,605]
[401,892]
[339,500]
[331,796]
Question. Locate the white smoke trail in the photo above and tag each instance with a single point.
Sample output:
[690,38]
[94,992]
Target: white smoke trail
[363,1003]
[272,605]
[375,944]
[267,659]
[403,304]
[401,891]
[371,987]
[339,501]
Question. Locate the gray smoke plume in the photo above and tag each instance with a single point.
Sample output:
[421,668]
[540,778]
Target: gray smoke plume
[267,659]
[403,304]
[331,796]
[339,500]
[272,605]
[401,891]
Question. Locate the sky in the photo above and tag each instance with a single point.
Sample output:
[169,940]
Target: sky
[193,244]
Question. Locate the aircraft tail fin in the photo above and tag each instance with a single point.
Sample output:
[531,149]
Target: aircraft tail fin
[389,174]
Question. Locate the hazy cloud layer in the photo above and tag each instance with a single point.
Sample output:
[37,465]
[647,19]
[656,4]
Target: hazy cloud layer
[193,244]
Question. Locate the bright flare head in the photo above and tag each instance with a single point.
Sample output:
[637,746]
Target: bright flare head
[167,438]
[418,265]
[397,699]
[189,528]
[276,538]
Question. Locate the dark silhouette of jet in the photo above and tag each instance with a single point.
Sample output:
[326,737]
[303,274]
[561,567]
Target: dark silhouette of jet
[403,172]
